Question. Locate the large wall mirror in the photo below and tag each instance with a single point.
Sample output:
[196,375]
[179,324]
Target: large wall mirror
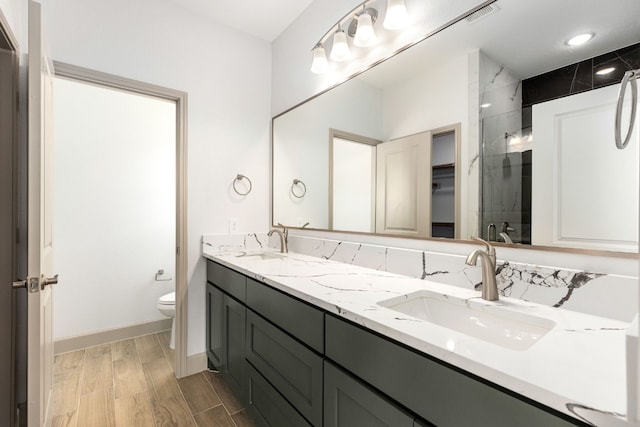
[494,127]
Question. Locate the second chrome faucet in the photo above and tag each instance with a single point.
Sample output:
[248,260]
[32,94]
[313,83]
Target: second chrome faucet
[488,264]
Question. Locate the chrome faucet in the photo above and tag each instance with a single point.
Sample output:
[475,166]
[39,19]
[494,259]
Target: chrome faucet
[488,263]
[283,239]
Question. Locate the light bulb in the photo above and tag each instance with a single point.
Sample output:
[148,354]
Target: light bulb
[580,39]
[365,36]
[397,16]
[605,71]
[320,63]
[340,50]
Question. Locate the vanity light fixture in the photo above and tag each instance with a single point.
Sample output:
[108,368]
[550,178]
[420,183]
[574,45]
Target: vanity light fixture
[397,16]
[580,39]
[487,105]
[365,36]
[361,21]
[320,63]
[605,71]
[340,50]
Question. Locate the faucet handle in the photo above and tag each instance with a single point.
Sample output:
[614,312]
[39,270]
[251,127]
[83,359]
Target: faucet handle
[285,230]
[490,249]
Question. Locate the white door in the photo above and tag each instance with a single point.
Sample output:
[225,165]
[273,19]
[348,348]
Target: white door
[403,186]
[571,208]
[40,252]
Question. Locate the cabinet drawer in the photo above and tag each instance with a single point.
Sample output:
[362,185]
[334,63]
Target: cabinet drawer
[350,403]
[233,283]
[438,393]
[293,369]
[266,406]
[296,317]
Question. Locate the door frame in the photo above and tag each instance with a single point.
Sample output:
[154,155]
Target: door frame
[17,351]
[180,98]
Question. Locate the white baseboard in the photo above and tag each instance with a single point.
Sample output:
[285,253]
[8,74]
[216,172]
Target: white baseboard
[196,363]
[110,335]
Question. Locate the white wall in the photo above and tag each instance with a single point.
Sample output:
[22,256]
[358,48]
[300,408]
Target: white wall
[114,207]
[227,76]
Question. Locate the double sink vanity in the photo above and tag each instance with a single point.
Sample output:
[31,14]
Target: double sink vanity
[310,341]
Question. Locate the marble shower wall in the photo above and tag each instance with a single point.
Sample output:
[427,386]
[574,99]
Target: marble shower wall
[502,165]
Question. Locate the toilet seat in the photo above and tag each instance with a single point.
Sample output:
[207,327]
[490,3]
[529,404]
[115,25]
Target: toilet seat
[168,299]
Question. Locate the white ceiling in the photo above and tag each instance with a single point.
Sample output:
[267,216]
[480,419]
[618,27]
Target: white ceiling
[528,37]
[265,19]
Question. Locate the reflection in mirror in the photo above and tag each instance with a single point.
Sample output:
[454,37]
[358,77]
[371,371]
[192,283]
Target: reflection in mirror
[352,175]
[537,159]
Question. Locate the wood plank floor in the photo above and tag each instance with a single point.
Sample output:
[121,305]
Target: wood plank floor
[131,383]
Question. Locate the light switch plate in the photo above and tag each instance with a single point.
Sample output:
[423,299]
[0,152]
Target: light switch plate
[233,226]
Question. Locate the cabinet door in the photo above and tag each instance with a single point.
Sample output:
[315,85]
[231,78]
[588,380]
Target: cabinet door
[266,406]
[350,403]
[434,391]
[215,299]
[292,368]
[233,338]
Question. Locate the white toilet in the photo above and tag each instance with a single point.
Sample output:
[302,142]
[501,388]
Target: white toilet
[167,306]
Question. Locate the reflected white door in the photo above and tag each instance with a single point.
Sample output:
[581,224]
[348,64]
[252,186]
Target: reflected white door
[353,177]
[40,240]
[571,208]
[403,186]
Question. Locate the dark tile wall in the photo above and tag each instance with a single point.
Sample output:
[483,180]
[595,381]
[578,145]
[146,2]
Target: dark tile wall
[579,77]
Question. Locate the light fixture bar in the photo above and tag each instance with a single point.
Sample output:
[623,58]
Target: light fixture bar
[341,21]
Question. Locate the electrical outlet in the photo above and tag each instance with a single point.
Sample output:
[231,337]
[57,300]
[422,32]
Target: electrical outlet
[233,226]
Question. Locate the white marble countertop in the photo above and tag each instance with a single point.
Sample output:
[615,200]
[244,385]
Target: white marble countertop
[577,368]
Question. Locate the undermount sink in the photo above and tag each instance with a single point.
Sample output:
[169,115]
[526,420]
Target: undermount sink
[260,255]
[489,322]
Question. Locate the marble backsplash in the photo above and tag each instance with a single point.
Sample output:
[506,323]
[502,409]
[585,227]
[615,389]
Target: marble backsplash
[609,295]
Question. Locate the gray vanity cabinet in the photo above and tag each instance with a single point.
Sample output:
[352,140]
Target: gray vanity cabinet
[226,324]
[348,402]
[285,341]
[436,392]
[296,365]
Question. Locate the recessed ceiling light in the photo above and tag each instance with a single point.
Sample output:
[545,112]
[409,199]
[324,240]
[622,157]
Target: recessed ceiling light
[580,39]
[605,71]
[487,105]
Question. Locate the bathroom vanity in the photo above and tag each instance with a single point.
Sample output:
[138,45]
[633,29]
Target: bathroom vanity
[309,341]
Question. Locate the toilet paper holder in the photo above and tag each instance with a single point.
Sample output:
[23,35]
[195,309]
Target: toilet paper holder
[160,273]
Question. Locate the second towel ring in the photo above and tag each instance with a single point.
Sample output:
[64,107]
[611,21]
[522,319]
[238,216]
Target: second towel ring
[239,178]
[295,183]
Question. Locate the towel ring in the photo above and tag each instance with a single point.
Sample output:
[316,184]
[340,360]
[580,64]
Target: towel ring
[630,78]
[293,189]
[239,178]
